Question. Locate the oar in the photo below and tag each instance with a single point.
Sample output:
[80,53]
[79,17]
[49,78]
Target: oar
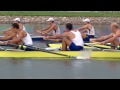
[118,46]
[93,45]
[36,49]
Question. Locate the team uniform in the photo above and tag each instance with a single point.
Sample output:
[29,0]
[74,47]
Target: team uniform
[90,34]
[77,43]
[24,28]
[53,32]
[27,41]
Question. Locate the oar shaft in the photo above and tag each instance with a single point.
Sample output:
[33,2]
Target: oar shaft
[95,46]
[111,45]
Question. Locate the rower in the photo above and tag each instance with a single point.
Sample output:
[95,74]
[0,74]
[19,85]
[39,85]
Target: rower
[16,20]
[71,38]
[21,26]
[59,39]
[52,29]
[9,35]
[113,38]
[88,29]
[21,38]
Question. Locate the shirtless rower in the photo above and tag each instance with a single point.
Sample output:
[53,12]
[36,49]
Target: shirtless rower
[52,29]
[113,38]
[71,38]
[21,38]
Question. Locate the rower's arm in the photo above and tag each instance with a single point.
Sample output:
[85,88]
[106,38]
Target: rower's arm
[40,31]
[83,27]
[112,38]
[103,38]
[21,27]
[15,40]
[11,35]
[4,31]
[83,35]
[53,37]
[66,34]
[45,28]
[50,29]
[84,31]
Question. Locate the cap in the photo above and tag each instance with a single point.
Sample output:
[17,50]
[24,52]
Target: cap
[17,19]
[50,19]
[86,20]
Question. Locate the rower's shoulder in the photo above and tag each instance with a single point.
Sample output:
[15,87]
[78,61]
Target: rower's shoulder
[118,30]
[54,24]
[90,25]
[22,31]
[20,24]
[75,30]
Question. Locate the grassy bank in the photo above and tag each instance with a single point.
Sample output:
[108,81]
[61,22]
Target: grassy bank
[59,13]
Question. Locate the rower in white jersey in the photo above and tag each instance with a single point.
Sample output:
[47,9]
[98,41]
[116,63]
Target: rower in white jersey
[21,38]
[88,28]
[18,21]
[71,38]
[113,38]
[52,29]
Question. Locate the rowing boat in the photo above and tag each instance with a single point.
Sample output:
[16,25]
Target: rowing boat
[56,53]
[40,54]
[60,45]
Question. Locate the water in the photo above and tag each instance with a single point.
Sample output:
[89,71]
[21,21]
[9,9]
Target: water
[33,68]
[58,69]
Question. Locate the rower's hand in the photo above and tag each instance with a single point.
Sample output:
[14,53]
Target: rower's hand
[3,32]
[38,31]
[92,40]
[43,34]
[4,43]
[57,40]
[101,43]
[46,38]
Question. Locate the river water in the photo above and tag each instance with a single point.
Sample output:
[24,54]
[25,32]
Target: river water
[32,68]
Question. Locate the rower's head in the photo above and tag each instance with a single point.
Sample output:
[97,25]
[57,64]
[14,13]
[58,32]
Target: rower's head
[69,27]
[15,27]
[86,21]
[114,26]
[16,20]
[50,20]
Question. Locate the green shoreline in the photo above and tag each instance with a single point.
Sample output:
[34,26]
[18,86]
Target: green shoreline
[60,13]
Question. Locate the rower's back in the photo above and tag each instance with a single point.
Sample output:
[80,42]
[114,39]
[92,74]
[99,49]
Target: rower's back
[91,30]
[77,40]
[55,30]
[27,40]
